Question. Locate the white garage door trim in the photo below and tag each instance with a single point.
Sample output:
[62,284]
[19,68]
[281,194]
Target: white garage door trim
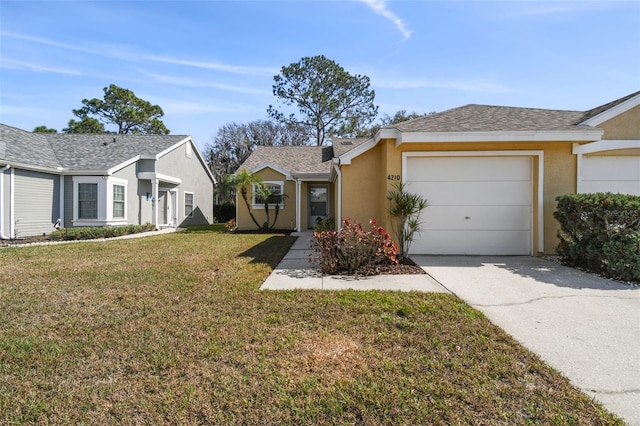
[530,153]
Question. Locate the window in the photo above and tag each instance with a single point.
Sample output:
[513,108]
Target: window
[87,200]
[188,204]
[275,191]
[118,201]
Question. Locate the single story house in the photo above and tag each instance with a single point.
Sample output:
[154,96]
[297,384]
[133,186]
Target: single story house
[491,174]
[100,180]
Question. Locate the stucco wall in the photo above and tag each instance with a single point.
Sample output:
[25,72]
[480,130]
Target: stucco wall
[623,126]
[287,215]
[194,178]
[362,183]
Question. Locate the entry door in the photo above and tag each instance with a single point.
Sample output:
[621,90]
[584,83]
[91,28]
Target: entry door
[318,203]
[167,207]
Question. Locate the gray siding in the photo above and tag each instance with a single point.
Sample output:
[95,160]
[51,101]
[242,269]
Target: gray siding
[36,202]
[195,179]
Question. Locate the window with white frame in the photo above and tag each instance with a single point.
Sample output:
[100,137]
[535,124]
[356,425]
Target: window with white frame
[272,192]
[118,201]
[87,201]
[188,204]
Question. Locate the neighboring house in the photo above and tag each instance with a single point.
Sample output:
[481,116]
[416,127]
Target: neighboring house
[491,174]
[100,180]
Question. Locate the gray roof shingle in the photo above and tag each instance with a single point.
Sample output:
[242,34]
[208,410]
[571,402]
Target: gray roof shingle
[78,152]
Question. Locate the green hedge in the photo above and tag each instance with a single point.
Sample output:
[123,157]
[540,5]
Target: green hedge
[601,233]
[90,233]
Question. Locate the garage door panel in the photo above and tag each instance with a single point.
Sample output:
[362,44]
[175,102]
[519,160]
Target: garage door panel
[477,217]
[473,193]
[473,242]
[468,169]
[477,205]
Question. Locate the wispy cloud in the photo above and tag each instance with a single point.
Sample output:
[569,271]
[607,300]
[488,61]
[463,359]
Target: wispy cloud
[192,82]
[126,54]
[472,85]
[217,66]
[9,63]
[381,8]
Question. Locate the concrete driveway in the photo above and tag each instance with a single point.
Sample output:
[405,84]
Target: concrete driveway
[586,327]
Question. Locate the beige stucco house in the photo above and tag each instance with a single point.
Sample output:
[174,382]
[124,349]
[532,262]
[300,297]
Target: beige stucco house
[491,174]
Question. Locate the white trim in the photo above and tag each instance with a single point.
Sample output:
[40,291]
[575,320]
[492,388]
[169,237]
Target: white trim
[122,165]
[12,203]
[4,168]
[61,195]
[160,177]
[184,204]
[613,112]
[298,204]
[529,153]
[338,221]
[360,149]
[605,145]
[273,167]
[501,136]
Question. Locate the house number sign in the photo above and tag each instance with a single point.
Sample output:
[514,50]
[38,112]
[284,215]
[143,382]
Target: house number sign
[393,177]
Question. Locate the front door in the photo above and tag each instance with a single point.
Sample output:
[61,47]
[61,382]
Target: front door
[167,207]
[318,203]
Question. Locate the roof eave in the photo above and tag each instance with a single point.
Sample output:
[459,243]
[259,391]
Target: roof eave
[578,135]
[613,111]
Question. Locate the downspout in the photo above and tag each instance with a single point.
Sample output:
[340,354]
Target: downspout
[2,170]
[338,222]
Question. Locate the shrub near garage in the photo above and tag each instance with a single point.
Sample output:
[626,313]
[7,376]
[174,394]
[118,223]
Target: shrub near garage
[601,232]
[352,250]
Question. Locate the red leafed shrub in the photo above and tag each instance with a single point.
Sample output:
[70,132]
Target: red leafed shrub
[352,250]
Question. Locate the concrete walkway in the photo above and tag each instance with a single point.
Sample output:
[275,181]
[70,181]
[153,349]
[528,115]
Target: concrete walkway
[586,327]
[296,272]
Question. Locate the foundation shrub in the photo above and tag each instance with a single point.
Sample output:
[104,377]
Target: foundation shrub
[90,233]
[600,232]
[352,250]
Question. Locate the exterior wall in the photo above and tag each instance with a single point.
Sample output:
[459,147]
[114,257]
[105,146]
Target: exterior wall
[362,183]
[623,126]
[287,214]
[195,179]
[5,204]
[133,200]
[370,175]
[36,201]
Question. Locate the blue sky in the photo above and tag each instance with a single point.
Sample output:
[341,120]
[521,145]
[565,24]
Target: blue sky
[207,63]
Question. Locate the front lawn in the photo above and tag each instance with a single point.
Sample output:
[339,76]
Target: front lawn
[172,329]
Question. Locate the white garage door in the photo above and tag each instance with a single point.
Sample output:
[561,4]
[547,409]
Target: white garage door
[477,205]
[610,174]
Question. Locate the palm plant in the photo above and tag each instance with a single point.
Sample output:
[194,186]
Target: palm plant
[405,209]
[243,180]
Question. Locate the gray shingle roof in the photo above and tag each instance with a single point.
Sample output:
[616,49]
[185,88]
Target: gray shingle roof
[100,152]
[485,118]
[78,152]
[20,146]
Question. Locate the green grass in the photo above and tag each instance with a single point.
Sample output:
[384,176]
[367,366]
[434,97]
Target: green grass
[172,329]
